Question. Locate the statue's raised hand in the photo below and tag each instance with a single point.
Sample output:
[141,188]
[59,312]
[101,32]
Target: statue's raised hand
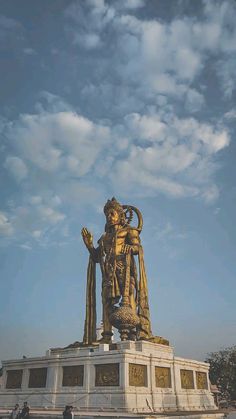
[87,238]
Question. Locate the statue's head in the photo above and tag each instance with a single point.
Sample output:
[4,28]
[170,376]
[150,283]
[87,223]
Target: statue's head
[114,213]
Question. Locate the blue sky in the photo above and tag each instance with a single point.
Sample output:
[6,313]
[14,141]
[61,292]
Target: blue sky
[130,99]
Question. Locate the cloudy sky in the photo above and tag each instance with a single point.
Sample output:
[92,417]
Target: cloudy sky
[133,99]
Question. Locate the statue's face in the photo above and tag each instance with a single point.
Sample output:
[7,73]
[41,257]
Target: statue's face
[112,217]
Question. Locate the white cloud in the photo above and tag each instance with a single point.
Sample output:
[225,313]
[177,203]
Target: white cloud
[6,228]
[33,220]
[137,180]
[174,157]
[25,246]
[37,234]
[230,114]
[226,73]
[222,15]
[131,4]
[34,200]
[148,127]
[200,134]
[165,159]
[67,155]
[148,75]
[88,41]
[90,22]
[16,167]
[160,56]
[50,215]
[60,150]
[167,232]
[36,224]
[62,141]
[194,100]
[156,152]
[164,53]
[49,102]
[211,194]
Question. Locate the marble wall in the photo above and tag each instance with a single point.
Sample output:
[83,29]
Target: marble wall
[130,376]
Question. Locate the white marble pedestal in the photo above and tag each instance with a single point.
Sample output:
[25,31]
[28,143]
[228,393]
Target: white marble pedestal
[127,377]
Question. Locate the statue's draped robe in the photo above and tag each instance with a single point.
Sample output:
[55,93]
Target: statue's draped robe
[142,306]
[91,312]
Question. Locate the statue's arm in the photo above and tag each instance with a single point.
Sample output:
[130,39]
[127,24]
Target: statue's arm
[88,241]
[132,243]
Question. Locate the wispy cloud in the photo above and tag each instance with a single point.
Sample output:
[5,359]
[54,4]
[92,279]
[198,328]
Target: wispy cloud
[167,232]
[140,128]
[158,57]
[16,167]
[13,36]
[150,154]
[6,228]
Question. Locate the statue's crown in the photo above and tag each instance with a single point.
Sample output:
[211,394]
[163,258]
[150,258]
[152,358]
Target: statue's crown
[113,203]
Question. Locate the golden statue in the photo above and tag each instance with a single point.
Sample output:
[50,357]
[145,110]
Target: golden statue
[124,294]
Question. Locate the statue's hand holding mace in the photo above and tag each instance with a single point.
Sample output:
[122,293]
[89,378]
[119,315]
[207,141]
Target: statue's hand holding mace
[87,238]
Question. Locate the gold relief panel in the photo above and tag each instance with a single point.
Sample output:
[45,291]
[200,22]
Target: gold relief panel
[137,375]
[107,375]
[73,376]
[14,378]
[187,379]
[201,379]
[37,378]
[163,377]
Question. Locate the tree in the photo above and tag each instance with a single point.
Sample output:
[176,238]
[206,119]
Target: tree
[223,371]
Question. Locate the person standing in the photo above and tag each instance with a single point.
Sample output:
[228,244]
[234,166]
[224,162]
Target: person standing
[68,412]
[25,411]
[15,412]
